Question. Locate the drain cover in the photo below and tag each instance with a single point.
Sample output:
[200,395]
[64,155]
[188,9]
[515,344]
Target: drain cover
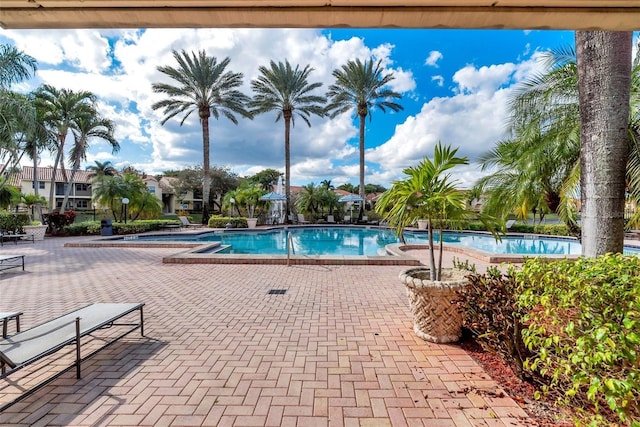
[277,291]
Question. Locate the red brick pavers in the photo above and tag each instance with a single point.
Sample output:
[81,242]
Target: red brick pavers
[336,350]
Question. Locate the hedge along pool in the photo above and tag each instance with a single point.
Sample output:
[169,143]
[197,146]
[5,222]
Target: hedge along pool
[368,241]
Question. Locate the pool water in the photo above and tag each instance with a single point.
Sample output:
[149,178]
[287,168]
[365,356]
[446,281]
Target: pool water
[350,241]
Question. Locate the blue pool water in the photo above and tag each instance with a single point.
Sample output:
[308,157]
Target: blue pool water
[339,241]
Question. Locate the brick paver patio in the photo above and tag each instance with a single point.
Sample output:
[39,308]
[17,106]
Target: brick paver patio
[337,349]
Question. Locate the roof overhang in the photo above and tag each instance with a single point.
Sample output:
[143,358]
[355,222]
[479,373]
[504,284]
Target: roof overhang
[621,15]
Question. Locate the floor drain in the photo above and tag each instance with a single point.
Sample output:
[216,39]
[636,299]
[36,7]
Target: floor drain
[277,291]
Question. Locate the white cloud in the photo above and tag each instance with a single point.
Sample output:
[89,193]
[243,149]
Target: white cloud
[433,58]
[472,119]
[439,80]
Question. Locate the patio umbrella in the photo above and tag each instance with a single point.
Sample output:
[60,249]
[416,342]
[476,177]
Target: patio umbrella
[273,197]
[350,198]
[276,210]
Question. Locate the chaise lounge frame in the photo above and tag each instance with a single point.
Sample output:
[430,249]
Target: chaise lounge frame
[26,347]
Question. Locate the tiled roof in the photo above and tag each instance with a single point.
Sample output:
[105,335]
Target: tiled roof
[44,174]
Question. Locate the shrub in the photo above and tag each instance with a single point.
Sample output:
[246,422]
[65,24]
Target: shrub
[58,221]
[13,222]
[222,221]
[490,312]
[583,329]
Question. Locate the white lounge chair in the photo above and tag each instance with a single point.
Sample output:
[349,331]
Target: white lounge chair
[509,224]
[186,223]
[347,219]
[331,219]
[301,219]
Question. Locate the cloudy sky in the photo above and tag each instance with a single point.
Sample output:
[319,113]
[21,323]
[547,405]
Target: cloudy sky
[454,86]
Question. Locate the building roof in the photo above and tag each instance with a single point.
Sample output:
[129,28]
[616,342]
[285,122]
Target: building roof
[45,173]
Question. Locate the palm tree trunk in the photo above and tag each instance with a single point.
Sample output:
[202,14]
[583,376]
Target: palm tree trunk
[206,180]
[432,258]
[67,192]
[361,146]
[59,154]
[604,78]
[287,164]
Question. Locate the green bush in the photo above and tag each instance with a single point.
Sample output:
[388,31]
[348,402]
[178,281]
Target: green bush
[583,329]
[131,227]
[490,312]
[222,221]
[13,222]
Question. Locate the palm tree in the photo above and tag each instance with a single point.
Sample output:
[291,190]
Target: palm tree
[15,66]
[427,192]
[361,85]
[539,167]
[61,110]
[88,128]
[100,169]
[310,199]
[286,91]
[204,86]
[604,81]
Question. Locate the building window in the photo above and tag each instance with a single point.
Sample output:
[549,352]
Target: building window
[152,189]
[40,185]
[82,187]
[82,204]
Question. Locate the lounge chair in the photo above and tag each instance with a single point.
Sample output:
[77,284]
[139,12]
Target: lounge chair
[509,224]
[301,219]
[347,219]
[186,223]
[24,348]
[331,219]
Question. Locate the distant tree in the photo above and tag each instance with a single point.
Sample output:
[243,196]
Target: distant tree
[286,91]
[102,169]
[88,128]
[348,187]
[326,184]
[223,181]
[206,87]
[361,85]
[374,188]
[61,109]
[309,199]
[267,179]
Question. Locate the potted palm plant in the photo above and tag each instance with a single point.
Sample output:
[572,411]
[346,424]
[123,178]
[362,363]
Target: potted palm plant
[429,193]
[35,228]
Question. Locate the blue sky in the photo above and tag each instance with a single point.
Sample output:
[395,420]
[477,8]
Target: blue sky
[454,83]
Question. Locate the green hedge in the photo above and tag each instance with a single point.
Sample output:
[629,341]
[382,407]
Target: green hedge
[119,228]
[546,229]
[572,325]
[222,221]
[13,222]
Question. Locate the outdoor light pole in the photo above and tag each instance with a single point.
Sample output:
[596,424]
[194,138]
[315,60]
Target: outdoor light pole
[125,202]
[233,202]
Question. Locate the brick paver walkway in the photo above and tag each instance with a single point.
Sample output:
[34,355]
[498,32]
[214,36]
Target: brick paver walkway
[337,349]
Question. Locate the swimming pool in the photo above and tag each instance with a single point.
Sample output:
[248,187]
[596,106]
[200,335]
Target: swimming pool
[370,241]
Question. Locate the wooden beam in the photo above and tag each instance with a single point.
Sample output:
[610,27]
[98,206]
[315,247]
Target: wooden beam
[150,15]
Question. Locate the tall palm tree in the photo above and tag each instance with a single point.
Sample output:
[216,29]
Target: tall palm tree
[88,128]
[361,84]
[286,91]
[203,85]
[604,82]
[540,165]
[61,109]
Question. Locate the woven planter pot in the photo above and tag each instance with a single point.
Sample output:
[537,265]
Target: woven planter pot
[435,318]
[37,231]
